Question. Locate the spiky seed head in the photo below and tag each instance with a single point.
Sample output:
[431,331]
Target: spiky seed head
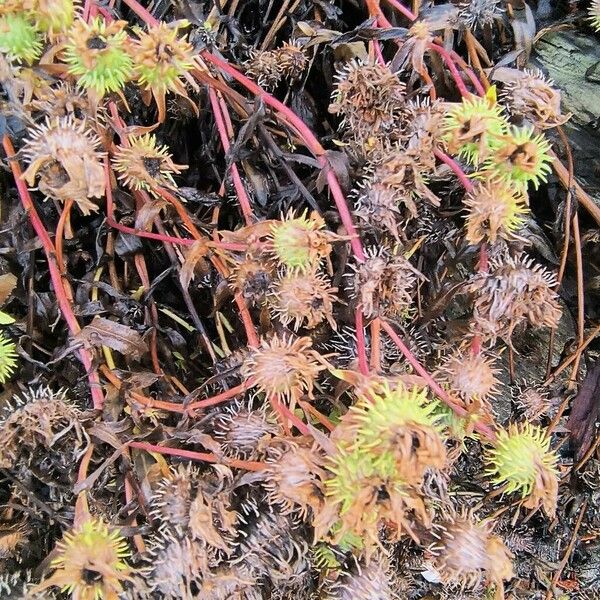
[522,157]
[244,433]
[63,100]
[63,153]
[161,59]
[594,14]
[253,278]
[51,16]
[364,491]
[294,476]
[521,460]
[170,503]
[300,243]
[372,580]
[292,60]
[470,375]
[20,40]
[473,128]
[304,299]
[383,284]
[533,402]
[495,210]
[41,422]
[368,97]
[515,290]
[284,367]
[476,14]
[144,164]
[98,55]
[466,553]
[263,66]
[89,562]
[399,421]
[532,96]
[8,358]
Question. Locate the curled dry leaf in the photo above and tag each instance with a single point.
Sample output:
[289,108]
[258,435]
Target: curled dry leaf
[104,332]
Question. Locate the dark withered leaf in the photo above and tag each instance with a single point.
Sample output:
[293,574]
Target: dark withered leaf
[338,161]
[104,332]
[127,245]
[585,411]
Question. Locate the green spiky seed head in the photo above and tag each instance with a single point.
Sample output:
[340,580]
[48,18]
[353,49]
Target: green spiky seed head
[522,461]
[522,158]
[594,14]
[300,243]
[8,358]
[51,16]
[19,39]
[97,54]
[473,128]
[378,416]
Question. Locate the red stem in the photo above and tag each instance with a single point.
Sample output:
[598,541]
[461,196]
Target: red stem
[435,387]
[234,391]
[59,290]
[235,174]
[460,84]
[462,176]
[409,14]
[199,456]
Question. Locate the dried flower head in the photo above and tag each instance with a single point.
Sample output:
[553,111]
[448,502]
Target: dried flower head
[477,14]
[253,278]
[384,284]
[89,563]
[466,553]
[531,95]
[51,16]
[473,129]
[521,157]
[263,67]
[471,376]
[521,461]
[369,98]
[143,164]
[394,181]
[533,402]
[294,476]
[243,432]
[514,291]
[292,60]
[161,59]
[300,243]
[42,421]
[64,154]
[495,210]
[304,299]
[284,367]
[422,129]
[8,358]
[197,505]
[594,14]
[63,100]
[372,580]
[98,55]
[20,40]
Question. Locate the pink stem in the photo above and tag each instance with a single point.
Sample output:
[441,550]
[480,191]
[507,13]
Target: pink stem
[360,341]
[198,456]
[292,119]
[235,174]
[234,391]
[435,387]
[378,53]
[462,176]
[55,275]
[286,413]
[409,14]
[460,84]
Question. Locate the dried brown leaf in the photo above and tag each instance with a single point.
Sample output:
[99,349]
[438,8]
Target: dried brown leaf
[104,332]
[7,285]
[194,262]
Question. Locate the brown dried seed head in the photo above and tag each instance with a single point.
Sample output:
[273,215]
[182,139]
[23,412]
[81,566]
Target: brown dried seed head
[284,367]
[253,278]
[471,376]
[466,553]
[384,284]
[304,299]
[263,67]
[294,476]
[63,155]
[292,60]
[368,97]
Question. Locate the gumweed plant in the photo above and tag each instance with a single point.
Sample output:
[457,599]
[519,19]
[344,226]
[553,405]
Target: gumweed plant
[299,262]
